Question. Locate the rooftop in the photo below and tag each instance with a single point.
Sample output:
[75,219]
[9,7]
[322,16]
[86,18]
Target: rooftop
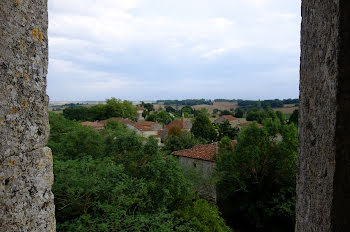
[181,123]
[202,151]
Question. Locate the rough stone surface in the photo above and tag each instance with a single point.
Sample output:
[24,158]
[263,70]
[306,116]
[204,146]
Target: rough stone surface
[25,192]
[26,200]
[206,188]
[323,177]
[23,68]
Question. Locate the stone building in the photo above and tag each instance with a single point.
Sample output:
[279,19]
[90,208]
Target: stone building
[143,128]
[201,159]
[146,128]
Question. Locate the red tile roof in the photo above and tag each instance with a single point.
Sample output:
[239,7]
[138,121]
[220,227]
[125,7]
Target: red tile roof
[122,120]
[181,123]
[202,152]
[146,126]
[142,126]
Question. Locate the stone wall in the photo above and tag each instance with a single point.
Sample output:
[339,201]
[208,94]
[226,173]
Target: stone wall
[26,175]
[323,177]
[204,170]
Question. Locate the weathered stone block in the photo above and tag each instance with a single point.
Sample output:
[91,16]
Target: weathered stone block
[23,68]
[26,200]
[323,177]
[26,175]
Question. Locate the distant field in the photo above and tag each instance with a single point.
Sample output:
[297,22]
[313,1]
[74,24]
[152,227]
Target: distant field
[287,109]
[216,105]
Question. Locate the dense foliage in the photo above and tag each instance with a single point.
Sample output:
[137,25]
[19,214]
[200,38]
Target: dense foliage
[112,108]
[260,115]
[180,141]
[162,117]
[148,106]
[239,113]
[257,179]
[114,180]
[225,130]
[294,117]
[265,104]
[203,128]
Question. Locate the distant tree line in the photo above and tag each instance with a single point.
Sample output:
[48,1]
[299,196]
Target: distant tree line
[187,102]
[276,103]
[112,108]
[224,100]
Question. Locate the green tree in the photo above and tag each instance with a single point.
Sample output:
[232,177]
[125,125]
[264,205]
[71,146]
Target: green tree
[260,115]
[162,117]
[112,108]
[257,180]
[279,115]
[225,145]
[225,129]
[152,117]
[203,128]
[148,106]
[225,112]
[239,113]
[187,110]
[273,127]
[80,142]
[183,140]
[294,117]
[170,109]
[205,217]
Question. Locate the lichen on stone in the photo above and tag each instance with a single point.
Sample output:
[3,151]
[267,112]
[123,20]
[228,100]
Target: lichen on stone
[37,35]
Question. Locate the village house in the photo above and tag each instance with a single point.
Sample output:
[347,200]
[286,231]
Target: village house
[182,123]
[201,158]
[146,128]
[143,128]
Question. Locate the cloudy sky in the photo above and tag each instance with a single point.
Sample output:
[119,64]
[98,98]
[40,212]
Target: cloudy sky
[173,49]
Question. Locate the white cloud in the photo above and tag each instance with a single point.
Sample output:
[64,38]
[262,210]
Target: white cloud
[87,34]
